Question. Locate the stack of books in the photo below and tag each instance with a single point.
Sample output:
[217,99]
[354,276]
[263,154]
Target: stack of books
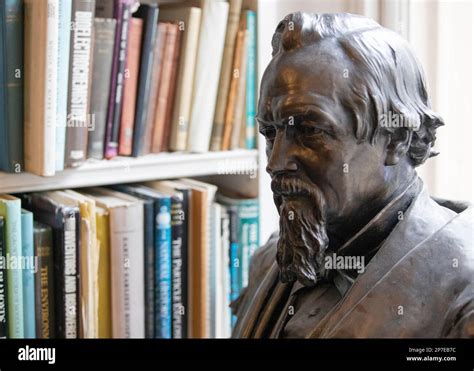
[161,259]
[104,78]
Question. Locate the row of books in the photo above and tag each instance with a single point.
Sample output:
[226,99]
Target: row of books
[162,259]
[86,79]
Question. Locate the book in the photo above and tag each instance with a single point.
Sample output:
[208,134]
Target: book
[150,214]
[44,281]
[10,210]
[237,116]
[103,274]
[130,86]
[226,324]
[234,101]
[244,232]
[11,85]
[202,198]
[65,223]
[233,20]
[164,103]
[41,54]
[126,261]
[122,13]
[79,91]
[104,29]
[180,200]
[155,83]
[28,269]
[88,259]
[64,37]
[3,282]
[188,20]
[206,80]
[149,14]
[250,24]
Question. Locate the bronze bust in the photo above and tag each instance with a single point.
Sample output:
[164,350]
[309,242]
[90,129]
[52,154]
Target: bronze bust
[363,251]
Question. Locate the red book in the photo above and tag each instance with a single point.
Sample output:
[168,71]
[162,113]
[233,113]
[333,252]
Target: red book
[131,74]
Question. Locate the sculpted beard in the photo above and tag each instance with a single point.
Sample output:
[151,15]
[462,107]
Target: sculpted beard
[303,237]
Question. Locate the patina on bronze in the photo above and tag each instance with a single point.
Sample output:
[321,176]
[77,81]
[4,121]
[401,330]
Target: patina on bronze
[363,250]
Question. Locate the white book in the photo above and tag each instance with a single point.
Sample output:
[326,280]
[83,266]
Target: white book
[225,263]
[51,95]
[206,79]
[41,57]
[127,261]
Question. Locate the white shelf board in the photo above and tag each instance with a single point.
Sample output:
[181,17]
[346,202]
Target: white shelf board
[128,169]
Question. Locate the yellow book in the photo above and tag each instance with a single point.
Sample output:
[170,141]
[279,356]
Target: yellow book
[103,240]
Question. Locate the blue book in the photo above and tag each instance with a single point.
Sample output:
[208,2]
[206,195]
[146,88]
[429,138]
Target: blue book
[64,35]
[27,248]
[251,83]
[10,210]
[11,85]
[163,269]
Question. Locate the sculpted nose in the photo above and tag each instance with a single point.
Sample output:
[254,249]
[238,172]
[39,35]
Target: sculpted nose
[281,158]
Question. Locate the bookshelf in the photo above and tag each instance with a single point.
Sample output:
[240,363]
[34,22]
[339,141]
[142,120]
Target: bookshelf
[127,170]
[235,169]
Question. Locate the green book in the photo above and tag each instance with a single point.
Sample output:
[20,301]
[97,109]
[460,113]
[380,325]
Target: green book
[28,271]
[10,209]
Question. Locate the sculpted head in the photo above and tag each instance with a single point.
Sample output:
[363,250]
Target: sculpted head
[346,116]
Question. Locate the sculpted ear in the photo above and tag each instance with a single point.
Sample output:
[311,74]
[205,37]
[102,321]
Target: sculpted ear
[397,146]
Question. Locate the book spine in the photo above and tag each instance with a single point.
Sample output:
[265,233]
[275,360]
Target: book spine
[64,36]
[127,271]
[114,113]
[185,216]
[130,87]
[78,122]
[235,7]
[11,85]
[103,276]
[28,270]
[67,277]
[163,270]
[248,235]
[11,212]
[156,77]
[175,56]
[44,284]
[164,88]
[225,235]
[102,61]
[206,81]
[3,283]
[250,104]
[51,89]
[177,231]
[234,255]
[150,16]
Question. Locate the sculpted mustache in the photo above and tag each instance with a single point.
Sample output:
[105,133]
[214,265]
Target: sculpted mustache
[290,187]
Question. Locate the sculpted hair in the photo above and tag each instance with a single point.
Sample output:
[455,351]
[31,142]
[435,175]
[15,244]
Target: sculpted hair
[387,80]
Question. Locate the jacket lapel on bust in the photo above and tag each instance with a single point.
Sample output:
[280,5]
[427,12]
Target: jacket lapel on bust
[418,224]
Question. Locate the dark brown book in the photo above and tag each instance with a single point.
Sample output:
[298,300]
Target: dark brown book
[166,88]
[80,72]
[130,86]
[156,77]
[101,73]
[44,285]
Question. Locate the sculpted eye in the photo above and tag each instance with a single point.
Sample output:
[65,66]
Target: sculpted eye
[310,130]
[268,132]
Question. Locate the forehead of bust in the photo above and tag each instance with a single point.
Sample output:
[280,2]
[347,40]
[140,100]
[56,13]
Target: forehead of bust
[312,74]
